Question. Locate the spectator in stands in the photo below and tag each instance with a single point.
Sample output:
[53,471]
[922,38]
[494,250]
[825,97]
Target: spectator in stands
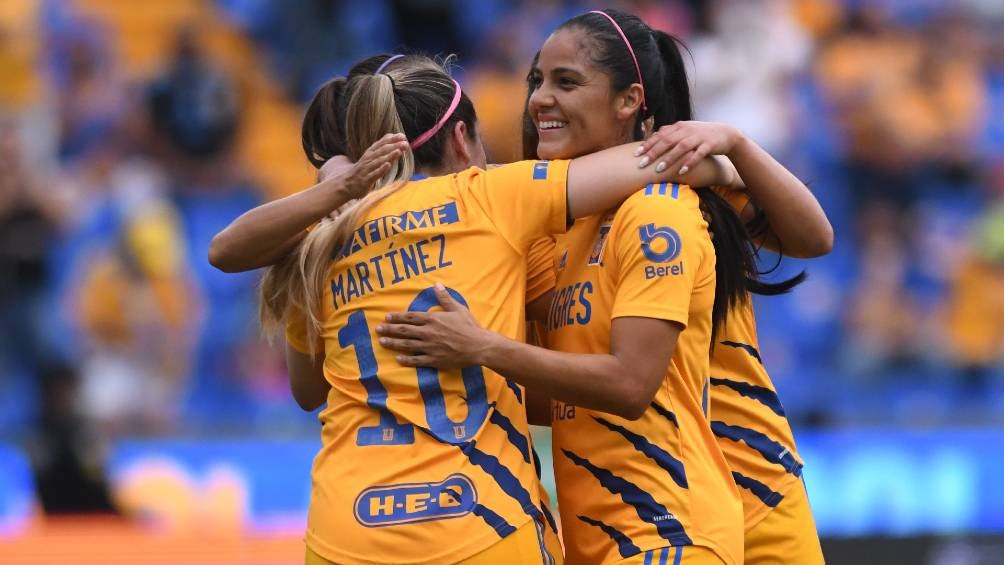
[975,305]
[68,454]
[27,227]
[881,327]
[743,62]
[196,113]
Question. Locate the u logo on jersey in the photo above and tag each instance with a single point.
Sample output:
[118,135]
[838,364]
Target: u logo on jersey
[415,502]
[660,245]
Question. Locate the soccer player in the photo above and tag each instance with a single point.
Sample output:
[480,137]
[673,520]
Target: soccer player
[416,466]
[630,268]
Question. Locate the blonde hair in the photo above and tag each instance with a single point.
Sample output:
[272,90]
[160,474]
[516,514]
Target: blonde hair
[297,283]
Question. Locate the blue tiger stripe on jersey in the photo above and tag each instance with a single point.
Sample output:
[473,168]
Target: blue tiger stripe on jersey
[518,440]
[498,523]
[662,458]
[770,450]
[745,347]
[625,546]
[761,394]
[496,470]
[647,508]
[704,398]
[762,491]
[665,414]
[549,517]
[515,390]
[502,475]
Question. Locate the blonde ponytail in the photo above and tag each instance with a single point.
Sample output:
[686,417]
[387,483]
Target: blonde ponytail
[298,281]
[430,97]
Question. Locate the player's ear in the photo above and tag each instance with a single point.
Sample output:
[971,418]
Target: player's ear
[458,142]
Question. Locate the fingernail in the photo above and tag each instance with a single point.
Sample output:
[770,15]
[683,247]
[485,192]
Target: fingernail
[644,162]
[684,169]
[439,286]
[379,328]
[387,317]
[660,166]
[639,151]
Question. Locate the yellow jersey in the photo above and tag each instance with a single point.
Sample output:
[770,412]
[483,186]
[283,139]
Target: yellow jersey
[428,466]
[746,413]
[626,487]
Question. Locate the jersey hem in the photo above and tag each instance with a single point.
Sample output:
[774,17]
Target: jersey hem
[781,486]
[651,312]
[718,549]
[479,544]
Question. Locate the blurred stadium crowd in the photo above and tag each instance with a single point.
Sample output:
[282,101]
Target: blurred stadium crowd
[130,133]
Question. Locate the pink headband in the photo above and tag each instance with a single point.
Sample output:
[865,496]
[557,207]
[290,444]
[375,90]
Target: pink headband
[630,50]
[387,62]
[420,140]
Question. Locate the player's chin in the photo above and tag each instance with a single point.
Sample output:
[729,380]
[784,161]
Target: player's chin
[555,149]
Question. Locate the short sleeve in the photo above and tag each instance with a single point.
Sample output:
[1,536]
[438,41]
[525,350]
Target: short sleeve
[738,199]
[540,275]
[296,333]
[660,244]
[525,200]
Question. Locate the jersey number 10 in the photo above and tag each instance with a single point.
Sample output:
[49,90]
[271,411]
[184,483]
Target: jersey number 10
[356,333]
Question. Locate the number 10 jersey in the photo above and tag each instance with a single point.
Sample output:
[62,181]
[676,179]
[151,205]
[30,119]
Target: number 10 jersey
[428,466]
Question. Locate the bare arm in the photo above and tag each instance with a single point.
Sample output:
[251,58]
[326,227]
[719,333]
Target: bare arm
[601,180]
[795,216]
[622,382]
[262,236]
[306,379]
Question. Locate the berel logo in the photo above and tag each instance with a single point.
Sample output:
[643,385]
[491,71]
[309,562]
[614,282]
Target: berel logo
[660,245]
[415,502]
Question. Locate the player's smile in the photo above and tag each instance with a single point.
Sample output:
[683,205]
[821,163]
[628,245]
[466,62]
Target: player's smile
[571,103]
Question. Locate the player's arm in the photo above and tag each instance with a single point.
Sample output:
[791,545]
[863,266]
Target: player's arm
[622,382]
[538,408]
[262,236]
[306,378]
[601,180]
[797,224]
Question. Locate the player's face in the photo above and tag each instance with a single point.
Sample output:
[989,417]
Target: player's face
[572,104]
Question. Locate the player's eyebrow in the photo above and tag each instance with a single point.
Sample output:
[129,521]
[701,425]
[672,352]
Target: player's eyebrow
[569,70]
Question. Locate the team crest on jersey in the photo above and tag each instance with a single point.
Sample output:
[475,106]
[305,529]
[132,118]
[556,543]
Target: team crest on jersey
[416,502]
[600,243]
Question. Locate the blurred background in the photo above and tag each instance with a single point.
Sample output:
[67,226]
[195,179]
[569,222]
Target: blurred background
[142,419]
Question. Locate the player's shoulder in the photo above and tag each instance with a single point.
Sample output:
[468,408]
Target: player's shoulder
[669,201]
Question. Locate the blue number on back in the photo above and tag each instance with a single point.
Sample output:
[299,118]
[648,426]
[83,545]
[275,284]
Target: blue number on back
[440,423]
[356,333]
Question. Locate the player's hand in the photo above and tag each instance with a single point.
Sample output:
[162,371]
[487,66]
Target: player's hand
[681,146]
[450,339]
[358,178]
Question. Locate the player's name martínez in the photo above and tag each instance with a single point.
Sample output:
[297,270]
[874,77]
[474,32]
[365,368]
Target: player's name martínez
[390,268]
